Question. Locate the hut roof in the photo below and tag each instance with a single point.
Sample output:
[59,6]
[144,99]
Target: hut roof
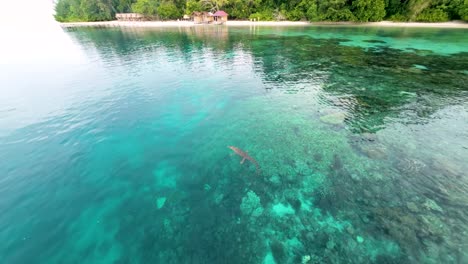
[220,13]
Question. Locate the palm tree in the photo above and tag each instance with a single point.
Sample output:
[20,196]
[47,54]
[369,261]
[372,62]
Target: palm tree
[213,5]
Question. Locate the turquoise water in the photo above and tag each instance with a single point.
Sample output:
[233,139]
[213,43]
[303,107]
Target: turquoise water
[116,152]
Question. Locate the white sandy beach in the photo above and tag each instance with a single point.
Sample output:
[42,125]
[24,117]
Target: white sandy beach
[179,23]
[453,24]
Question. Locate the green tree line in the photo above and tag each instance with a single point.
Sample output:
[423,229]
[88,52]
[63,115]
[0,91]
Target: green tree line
[295,10]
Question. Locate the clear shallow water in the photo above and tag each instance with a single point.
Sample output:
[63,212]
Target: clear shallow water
[118,153]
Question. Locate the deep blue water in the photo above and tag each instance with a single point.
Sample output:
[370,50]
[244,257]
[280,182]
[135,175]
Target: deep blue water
[116,151]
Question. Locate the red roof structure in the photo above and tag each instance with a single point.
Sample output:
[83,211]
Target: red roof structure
[220,13]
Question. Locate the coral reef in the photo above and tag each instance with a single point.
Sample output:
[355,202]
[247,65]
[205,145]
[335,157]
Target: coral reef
[251,205]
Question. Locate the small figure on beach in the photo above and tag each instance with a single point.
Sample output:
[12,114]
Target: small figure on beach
[244,156]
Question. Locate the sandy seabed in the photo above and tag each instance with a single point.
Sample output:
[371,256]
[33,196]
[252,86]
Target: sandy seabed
[453,24]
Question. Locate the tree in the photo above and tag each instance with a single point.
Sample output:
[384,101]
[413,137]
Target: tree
[84,10]
[295,15]
[96,10]
[343,14]
[463,10]
[191,6]
[310,9]
[146,7]
[415,7]
[369,10]
[62,10]
[242,8]
[312,13]
[432,15]
[168,10]
[395,7]
[265,15]
[213,5]
[124,6]
[335,10]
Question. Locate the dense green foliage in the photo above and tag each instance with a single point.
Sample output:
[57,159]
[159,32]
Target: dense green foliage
[369,10]
[312,10]
[168,10]
[433,15]
[147,7]
[462,9]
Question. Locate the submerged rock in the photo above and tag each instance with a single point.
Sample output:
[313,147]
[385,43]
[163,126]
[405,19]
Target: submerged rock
[334,119]
[251,205]
[419,67]
[409,94]
[374,152]
[278,251]
[412,207]
[160,202]
[421,52]
[282,210]
[331,244]
[355,177]
[269,259]
[433,226]
[219,198]
[275,180]
[432,205]
[359,239]
[350,230]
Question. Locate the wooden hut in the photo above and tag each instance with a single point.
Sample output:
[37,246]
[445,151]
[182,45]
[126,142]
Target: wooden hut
[197,17]
[220,17]
[202,17]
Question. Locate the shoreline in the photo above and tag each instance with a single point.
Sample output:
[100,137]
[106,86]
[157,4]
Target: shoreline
[155,24]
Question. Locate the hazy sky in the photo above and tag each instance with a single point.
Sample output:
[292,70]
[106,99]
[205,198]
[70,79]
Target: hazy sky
[31,10]
[38,63]
[31,35]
